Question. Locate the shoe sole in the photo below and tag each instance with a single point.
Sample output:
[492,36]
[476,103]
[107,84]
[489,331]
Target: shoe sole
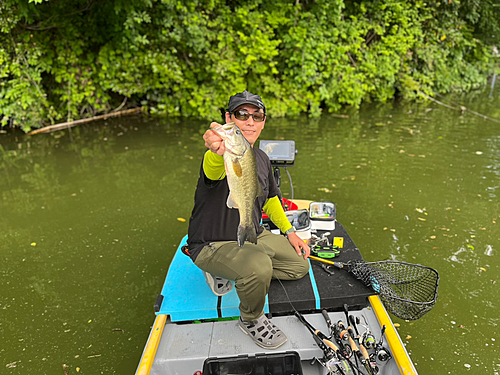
[262,345]
[211,284]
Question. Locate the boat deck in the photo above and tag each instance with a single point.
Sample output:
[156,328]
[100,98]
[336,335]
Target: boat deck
[189,339]
[185,347]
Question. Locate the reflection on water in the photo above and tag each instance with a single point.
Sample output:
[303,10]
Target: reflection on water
[91,216]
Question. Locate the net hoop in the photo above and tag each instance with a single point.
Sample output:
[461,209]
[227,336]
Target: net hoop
[408,290]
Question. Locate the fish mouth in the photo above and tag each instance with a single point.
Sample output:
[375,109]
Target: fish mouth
[232,152]
[221,130]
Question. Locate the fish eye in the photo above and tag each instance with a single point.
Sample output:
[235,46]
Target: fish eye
[238,132]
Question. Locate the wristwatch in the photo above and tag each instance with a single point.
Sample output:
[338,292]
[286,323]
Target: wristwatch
[291,230]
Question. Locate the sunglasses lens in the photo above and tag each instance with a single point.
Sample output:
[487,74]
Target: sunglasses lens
[243,116]
[259,117]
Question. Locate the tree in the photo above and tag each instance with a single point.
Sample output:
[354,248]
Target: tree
[68,59]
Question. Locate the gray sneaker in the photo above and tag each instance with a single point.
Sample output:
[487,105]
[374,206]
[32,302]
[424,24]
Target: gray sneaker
[264,333]
[218,285]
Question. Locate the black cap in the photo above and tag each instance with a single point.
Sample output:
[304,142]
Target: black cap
[245,97]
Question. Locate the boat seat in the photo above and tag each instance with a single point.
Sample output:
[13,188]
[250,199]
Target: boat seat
[187,297]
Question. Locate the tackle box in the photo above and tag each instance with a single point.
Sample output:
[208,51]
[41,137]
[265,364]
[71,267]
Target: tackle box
[323,215]
[287,363]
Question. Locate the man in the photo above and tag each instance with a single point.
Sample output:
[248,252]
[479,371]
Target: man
[212,236]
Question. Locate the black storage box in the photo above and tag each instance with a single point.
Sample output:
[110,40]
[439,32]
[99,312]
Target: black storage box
[262,364]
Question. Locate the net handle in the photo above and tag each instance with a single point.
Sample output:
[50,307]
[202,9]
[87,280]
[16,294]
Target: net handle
[336,264]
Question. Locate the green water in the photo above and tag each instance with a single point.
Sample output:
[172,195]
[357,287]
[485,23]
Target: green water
[90,219]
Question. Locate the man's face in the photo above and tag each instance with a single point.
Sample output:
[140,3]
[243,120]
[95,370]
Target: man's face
[251,129]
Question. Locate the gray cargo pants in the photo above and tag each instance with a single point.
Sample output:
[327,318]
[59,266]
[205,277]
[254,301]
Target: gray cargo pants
[252,267]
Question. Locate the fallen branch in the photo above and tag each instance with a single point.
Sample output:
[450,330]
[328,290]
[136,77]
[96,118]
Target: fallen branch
[70,124]
[459,108]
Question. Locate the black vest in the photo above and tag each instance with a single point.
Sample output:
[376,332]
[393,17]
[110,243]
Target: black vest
[211,219]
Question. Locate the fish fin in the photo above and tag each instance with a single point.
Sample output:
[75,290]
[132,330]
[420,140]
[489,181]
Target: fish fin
[237,168]
[246,234]
[231,202]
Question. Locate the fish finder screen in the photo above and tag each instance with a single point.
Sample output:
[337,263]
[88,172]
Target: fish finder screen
[279,152]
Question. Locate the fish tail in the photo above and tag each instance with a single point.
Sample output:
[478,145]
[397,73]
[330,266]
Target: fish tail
[246,234]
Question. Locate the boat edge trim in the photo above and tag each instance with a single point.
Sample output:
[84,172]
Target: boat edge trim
[399,352]
[152,346]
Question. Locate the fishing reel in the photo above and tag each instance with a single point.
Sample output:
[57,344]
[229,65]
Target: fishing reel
[368,340]
[346,351]
[333,365]
[381,354]
[342,331]
[367,337]
[343,335]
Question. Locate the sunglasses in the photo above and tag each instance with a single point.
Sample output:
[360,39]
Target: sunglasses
[243,116]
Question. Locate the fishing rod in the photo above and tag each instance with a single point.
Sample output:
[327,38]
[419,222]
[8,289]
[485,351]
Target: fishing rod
[326,341]
[380,354]
[345,351]
[328,359]
[348,334]
[333,356]
[329,348]
[364,356]
[328,321]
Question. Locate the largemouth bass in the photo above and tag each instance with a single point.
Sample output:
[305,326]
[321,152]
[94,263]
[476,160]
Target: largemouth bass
[241,173]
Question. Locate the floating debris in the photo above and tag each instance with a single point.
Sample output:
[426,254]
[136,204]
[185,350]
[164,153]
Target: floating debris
[488,251]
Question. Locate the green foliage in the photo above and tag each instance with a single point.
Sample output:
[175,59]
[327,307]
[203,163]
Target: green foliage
[63,60]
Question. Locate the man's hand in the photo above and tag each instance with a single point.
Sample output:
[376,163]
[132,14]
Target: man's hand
[213,141]
[300,246]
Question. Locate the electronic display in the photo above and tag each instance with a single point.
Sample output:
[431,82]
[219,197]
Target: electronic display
[279,152]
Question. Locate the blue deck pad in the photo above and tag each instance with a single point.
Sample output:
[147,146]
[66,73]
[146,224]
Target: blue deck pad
[188,297]
[314,286]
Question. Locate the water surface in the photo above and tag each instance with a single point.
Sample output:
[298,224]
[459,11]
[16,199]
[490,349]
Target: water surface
[91,216]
